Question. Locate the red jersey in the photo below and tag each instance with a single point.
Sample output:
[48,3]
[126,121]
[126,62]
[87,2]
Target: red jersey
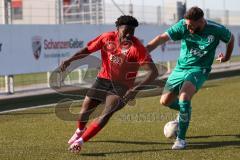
[117,64]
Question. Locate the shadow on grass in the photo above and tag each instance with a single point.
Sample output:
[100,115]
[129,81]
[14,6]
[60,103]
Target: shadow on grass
[191,146]
[217,135]
[215,144]
[103,154]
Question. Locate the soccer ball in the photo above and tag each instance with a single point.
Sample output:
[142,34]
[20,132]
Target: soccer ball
[170,129]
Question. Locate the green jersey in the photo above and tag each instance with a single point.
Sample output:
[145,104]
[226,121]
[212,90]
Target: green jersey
[198,50]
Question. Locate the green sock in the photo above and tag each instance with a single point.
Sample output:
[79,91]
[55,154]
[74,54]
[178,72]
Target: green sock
[184,118]
[175,105]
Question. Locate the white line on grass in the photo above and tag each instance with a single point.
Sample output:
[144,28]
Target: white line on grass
[33,107]
[27,108]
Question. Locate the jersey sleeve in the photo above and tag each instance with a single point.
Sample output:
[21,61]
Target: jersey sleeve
[176,31]
[224,34]
[95,44]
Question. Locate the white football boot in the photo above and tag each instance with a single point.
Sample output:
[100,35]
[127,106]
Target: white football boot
[77,134]
[179,144]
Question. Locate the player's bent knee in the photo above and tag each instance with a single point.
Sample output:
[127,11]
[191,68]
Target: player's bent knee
[184,96]
[164,102]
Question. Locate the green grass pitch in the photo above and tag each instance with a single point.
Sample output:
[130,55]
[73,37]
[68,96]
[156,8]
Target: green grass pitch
[135,132]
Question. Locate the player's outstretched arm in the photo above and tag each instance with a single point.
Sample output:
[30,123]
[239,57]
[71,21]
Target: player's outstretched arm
[158,40]
[152,74]
[229,48]
[80,54]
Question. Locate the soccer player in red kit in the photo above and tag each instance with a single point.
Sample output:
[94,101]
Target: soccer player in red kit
[122,54]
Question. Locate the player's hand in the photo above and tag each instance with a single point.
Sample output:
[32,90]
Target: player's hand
[221,58]
[64,65]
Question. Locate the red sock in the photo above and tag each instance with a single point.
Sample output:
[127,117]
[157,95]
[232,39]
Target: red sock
[91,131]
[81,125]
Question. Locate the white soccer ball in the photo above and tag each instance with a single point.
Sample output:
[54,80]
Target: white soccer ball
[170,129]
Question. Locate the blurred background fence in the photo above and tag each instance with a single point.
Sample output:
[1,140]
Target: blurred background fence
[102,12]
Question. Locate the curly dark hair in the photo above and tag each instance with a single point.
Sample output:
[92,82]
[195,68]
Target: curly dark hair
[194,13]
[126,20]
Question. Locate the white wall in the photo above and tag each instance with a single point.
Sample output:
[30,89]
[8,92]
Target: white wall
[35,12]
[38,12]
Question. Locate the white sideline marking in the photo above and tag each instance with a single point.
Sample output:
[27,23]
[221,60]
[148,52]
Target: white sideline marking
[27,108]
[33,107]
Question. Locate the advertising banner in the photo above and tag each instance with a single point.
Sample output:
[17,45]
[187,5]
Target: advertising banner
[42,48]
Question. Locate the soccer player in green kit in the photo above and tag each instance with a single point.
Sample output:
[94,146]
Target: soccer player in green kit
[199,40]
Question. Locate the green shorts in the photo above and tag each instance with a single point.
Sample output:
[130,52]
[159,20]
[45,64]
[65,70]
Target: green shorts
[176,79]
